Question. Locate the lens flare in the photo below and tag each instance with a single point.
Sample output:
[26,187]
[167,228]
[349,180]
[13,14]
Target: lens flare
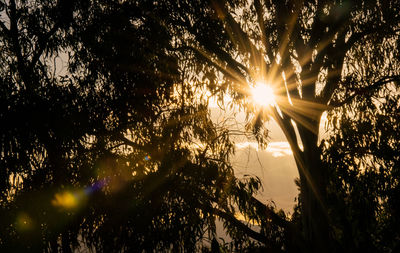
[72,199]
[96,186]
[66,200]
[24,222]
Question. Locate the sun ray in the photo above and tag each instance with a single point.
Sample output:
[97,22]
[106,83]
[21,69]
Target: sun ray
[308,109]
[298,157]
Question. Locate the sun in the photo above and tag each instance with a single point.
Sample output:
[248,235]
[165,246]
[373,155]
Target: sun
[262,94]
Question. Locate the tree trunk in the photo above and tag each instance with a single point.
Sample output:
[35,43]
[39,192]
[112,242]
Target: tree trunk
[313,182]
[313,186]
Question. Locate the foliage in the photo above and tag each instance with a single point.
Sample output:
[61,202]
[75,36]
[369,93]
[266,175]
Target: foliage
[106,146]
[362,153]
[116,150]
[337,57]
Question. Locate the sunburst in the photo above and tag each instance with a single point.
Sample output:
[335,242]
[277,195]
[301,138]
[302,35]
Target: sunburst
[263,94]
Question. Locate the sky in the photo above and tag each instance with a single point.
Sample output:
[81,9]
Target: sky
[275,165]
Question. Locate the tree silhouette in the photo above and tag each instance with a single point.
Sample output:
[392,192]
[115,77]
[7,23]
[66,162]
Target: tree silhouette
[104,144]
[339,57]
[107,143]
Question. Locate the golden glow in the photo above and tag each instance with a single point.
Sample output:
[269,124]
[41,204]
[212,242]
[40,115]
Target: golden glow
[241,217]
[24,222]
[263,94]
[65,200]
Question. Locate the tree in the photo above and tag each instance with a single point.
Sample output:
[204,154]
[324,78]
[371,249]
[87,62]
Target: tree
[362,153]
[121,154]
[116,151]
[339,57]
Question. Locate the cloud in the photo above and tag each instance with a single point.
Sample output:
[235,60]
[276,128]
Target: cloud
[281,148]
[277,149]
[247,144]
[276,168]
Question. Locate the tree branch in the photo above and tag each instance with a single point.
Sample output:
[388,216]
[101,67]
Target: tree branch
[287,128]
[43,43]
[240,225]
[239,36]
[260,20]
[233,72]
[14,34]
[365,90]
[335,67]
[4,28]
[294,235]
